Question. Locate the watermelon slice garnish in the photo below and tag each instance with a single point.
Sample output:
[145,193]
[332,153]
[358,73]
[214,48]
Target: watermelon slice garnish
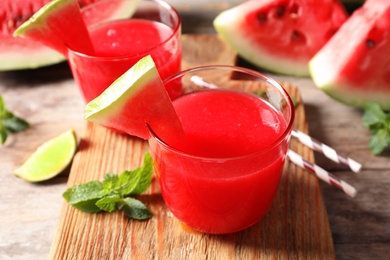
[135,99]
[354,66]
[280,35]
[23,53]
[51,26]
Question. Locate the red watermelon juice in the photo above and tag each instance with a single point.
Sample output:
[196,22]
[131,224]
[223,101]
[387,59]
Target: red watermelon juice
[223,177]
[120,43]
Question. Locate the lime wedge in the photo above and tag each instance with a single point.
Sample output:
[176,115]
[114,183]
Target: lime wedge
[50,159]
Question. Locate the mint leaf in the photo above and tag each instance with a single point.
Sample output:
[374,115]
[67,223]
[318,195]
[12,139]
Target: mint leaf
[3,133]
[9,123]
[3,110]
[128,181]
[135,209]
[15,124]
[145,175]
[110,183]
[374,117]
[112,193]
[137,181]
[84,196]
[379,141]
[378,123]
[109,203]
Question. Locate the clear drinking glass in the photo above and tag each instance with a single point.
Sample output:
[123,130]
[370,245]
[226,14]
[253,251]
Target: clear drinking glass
[222,177]
[129,31]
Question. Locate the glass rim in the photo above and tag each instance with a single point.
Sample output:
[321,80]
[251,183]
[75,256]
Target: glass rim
[253,73]
[162,3]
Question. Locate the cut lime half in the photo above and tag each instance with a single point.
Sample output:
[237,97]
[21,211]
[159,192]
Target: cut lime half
[50,159]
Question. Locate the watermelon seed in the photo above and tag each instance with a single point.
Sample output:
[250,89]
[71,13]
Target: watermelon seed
[375,36]
[280,10]
[262,17]
[370,43]
[297,36]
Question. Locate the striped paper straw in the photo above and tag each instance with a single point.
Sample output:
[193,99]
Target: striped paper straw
[322,174]
[329,152]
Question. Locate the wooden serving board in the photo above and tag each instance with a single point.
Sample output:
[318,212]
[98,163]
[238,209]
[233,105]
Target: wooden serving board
[296,226]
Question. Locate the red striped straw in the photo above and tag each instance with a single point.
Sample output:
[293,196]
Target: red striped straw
[329,152]
[322,174]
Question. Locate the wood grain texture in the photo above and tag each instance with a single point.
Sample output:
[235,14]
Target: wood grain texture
[296,226]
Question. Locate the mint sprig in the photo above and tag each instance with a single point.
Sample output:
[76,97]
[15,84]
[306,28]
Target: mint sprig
[378,122]
[9,123]
[113,193]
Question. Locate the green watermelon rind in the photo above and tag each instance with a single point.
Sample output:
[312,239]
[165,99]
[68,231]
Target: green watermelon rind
[354,98]
[228,25]
[29,58]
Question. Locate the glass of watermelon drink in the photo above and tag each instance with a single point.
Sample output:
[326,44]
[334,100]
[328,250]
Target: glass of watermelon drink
[222,176]
[126,31]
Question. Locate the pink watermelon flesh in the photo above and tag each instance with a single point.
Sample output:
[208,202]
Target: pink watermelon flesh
[280,35]
[18,53]
[354,66]
[60,29]
[136,99]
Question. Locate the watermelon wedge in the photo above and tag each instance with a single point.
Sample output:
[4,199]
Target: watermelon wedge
[58,25]
[354,66]
[18,53]
[22,53]
[136,99]
[280,35]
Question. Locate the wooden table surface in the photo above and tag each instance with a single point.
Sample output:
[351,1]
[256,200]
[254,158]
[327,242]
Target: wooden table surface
[49,99]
